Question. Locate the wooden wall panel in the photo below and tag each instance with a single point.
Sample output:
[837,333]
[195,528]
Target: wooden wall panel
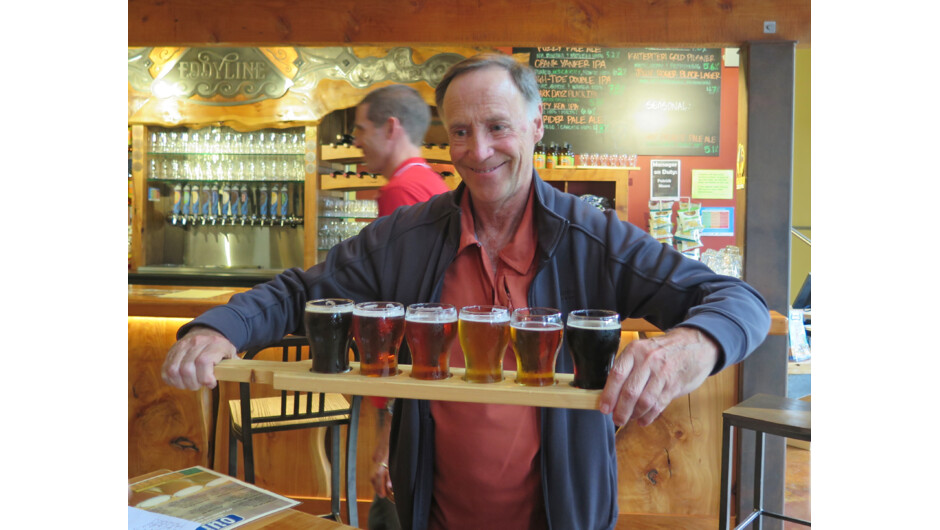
[167,428]
[484,22]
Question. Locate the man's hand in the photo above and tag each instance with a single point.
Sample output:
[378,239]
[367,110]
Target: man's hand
[381,480]
[190,362]
[650,373]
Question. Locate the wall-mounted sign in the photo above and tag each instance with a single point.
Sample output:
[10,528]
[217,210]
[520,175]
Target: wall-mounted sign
[718,221]
[222,76]
[712,183]
[664,179]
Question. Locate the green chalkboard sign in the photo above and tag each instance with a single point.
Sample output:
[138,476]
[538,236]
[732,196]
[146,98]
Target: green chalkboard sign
[646,101]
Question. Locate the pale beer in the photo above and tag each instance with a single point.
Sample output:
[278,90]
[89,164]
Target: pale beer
[484,336]
[536,334]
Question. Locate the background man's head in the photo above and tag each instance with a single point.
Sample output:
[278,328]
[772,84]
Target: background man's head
[390,126]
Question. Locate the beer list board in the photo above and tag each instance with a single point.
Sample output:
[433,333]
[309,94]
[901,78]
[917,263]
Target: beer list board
[645,101]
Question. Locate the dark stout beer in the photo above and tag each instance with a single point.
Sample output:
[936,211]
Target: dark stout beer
[484,336]
[593,336]
[536,339]
[327,324]
[378,328]
[430,329]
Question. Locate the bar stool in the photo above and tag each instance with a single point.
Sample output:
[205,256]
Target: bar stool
[763,414]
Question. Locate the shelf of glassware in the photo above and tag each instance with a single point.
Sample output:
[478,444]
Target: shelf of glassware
[620,176]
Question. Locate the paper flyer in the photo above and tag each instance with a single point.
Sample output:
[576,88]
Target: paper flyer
[203,496]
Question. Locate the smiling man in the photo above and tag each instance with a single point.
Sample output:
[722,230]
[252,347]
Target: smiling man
[506,237]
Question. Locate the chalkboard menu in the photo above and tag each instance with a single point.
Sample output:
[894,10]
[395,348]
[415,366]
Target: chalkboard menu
[646,101]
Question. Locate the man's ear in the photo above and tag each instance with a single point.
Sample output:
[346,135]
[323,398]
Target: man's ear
[391,125]
[539,131]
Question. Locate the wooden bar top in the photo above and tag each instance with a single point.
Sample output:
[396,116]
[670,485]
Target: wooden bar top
[190,302]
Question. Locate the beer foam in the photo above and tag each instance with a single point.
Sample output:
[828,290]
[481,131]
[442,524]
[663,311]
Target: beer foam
[595,324]
[374,310]
[435,317]
[323,308]
[538,326]
[485,317]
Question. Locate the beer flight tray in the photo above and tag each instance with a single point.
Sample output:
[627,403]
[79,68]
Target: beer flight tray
[297,376]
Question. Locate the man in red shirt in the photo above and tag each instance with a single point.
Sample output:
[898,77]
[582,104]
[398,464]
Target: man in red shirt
[390,126]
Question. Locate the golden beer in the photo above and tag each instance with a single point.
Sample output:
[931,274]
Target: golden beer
[536,333]
[484,336]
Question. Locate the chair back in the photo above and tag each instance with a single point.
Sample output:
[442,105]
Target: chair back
[293,407]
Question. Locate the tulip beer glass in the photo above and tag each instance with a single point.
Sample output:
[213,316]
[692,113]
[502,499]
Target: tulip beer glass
[593,336]
[327,324]
[535,333]
[484,335]
[430,329]
[378,328]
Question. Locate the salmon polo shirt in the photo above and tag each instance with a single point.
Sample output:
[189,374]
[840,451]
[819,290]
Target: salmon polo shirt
[487,470]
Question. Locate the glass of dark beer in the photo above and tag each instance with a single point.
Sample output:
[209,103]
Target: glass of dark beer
[430,329]
[327,323]
[484,335]
[535,333]
[378,328]
[593,336]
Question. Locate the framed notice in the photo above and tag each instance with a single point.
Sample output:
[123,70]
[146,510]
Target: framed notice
[664,179]
[718,221]
[712,183]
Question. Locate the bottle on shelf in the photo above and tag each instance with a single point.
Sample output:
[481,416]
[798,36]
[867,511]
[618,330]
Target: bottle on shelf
[551,158]
[538,159]
[569,156]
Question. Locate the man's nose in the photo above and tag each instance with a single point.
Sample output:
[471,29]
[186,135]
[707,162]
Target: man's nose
[480,145]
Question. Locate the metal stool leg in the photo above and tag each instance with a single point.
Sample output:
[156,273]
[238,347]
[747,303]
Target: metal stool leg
[232,454]
[727,450]
[758,476]
[352,437]
[334,472]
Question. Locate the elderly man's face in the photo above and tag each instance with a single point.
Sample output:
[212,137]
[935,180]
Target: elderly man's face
[492,136]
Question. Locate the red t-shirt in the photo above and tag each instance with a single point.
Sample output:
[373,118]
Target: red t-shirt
[413,181]
[487,470]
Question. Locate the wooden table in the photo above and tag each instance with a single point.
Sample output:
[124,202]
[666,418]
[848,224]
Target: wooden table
[289,519]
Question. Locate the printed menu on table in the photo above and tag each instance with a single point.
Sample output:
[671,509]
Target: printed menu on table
[203,496]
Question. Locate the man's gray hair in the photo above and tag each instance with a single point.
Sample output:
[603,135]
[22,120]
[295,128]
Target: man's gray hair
[404,103]
[522,75]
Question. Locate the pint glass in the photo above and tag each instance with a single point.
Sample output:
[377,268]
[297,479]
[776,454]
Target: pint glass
[484,336]
[327,323]
[536,334]
[378,328]
[430,329]
[593,336]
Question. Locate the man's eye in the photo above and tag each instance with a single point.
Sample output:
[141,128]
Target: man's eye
[459,133]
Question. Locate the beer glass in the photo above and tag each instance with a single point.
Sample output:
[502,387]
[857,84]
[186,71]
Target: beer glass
[484,335]
[430,329]
[378,328]
[327,323]
[593,336]
[535,333]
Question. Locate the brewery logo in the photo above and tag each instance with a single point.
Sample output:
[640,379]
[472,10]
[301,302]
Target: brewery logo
[222,76]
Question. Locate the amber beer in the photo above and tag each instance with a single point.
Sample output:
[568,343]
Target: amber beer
[327,324]
[593,336]
[536,334]
[378,328]
[430,329]
[484,335]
